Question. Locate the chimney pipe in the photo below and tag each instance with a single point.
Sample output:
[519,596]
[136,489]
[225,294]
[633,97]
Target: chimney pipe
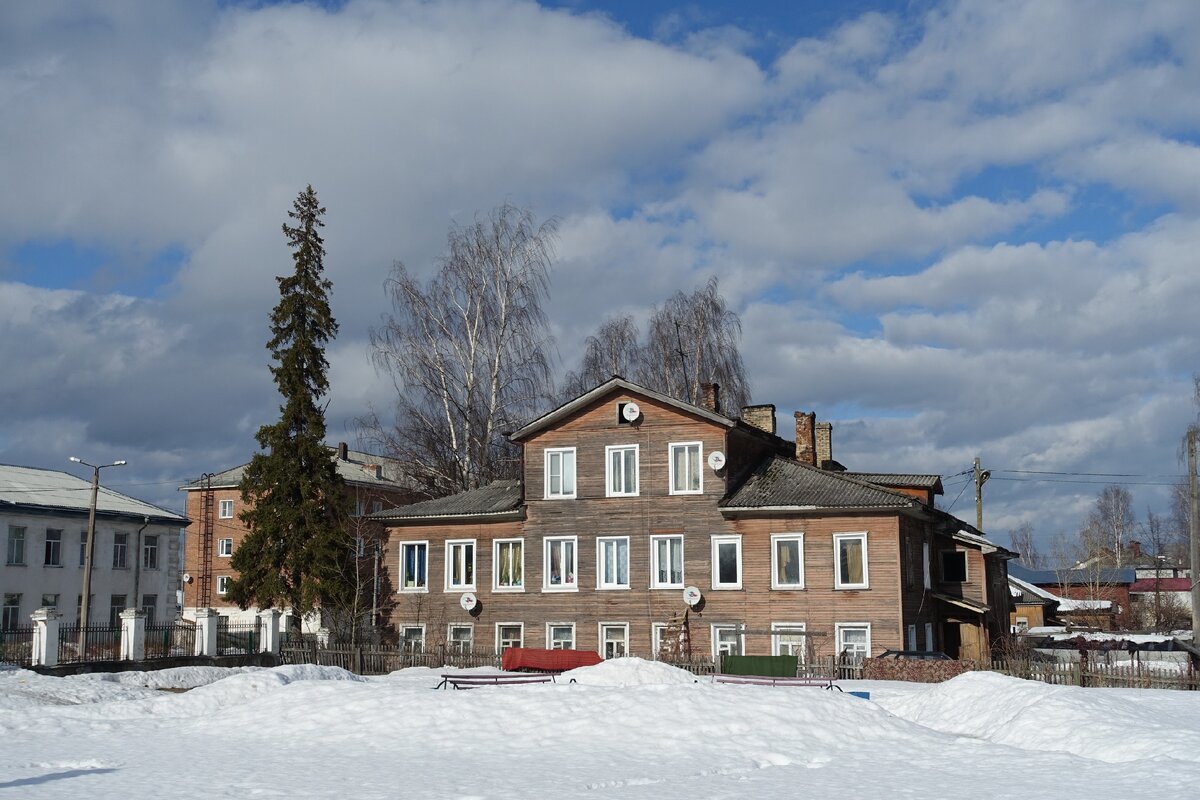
[712,397]
[761,417]
[343,452]
[806,435]
[824,444]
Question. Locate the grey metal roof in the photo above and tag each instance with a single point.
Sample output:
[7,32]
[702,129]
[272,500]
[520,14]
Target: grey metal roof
[898,479]
[783,483]
[616,382]
[498,498]
[359,468]
[54,490]
[1069,577]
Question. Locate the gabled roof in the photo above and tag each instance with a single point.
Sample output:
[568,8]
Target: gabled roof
[614,384]
[895,480]
[1164,585]
[785,484]
[499,499]
[51,490]
[359,469]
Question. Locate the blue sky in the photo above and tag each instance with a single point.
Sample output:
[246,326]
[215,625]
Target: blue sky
[954,229]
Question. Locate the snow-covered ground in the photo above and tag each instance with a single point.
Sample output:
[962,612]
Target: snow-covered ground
[626,729]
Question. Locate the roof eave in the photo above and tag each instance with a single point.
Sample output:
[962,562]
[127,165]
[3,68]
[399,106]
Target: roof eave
[747,510]
[489,516]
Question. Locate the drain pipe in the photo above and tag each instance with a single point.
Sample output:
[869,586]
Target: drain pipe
[137,565]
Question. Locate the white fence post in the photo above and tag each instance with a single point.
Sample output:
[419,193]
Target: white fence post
[133,635]
[45,637]
[206,631]
[268,631]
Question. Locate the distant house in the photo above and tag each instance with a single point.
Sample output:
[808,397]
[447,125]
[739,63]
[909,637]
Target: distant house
[650,526]
[1103,593]
[1035,607]
[214,505]
[44,522]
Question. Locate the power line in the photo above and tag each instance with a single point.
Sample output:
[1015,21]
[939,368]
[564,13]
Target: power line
[1092,474]
[1088,483]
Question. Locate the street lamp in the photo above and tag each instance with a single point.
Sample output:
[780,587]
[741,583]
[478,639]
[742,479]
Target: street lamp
[84,601]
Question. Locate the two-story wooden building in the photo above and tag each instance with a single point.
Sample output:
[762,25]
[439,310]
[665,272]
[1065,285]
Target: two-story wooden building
[646,525]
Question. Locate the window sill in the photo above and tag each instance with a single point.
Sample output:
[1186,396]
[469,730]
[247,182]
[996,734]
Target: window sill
[851,588]
[728,588]
[460,589]
[422,590]
[685,494]
[508,589]
[614,588]
[560,497]
[16,564]
[554,589]
[621,496]
[668,587]
[788,589]
[53,566]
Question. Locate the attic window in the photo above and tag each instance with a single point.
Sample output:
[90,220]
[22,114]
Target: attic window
[954,566]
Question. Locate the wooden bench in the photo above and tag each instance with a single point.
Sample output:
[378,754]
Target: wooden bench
[762,680]
[472,681]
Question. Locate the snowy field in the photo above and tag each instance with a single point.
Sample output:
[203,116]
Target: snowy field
[627,729]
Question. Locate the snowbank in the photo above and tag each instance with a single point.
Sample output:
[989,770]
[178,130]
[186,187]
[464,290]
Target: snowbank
[627,672]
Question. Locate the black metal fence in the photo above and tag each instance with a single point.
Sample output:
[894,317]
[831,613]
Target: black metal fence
[170,639]
[237,639]
[16,645]
[101,643]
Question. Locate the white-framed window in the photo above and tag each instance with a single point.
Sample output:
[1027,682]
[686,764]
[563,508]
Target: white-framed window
[850,561]
[560,473]
[49,601]
[912,637]
[225,547]
[560,635]
[414,567]
[560,566]
[412,638]
[12,611]
[685,461]
[509,634]
[120,551]
[954,566]
[223,584]
[150,607]
[53,548]
[929,637]
[225,509]
[853,640]
[726,640]
[787,561]
[83,548]
[658,631]
[614,639]
[508,565]
[150,552]
[16,546]
[727,562]
[666,562]
[460,638]
[621,470]
[788,639]
[1021,626]
[612,562]
[460,565]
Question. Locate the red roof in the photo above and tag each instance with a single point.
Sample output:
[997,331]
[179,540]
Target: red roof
[531,658]
[1164,585]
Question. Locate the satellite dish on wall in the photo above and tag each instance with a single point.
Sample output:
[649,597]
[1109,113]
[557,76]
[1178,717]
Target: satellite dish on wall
[716,460]
[468,601]
[691,595]
[631,411]
[187,578]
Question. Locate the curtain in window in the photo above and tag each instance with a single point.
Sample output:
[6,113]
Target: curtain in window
[787,563]
[851,560]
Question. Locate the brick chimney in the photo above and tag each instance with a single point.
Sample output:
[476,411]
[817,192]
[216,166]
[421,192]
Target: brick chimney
[824,443]
[761,417]
[343,452]
[806,436]
[712,397]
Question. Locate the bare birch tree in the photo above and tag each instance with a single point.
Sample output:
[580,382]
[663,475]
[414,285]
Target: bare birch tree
[1023,542]
[613,350]
[468,354]
[1106,533]
[692,340]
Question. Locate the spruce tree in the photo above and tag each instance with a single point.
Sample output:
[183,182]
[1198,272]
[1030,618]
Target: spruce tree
[297,506]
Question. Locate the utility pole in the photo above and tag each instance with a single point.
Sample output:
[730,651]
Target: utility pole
[981,477]
[84,600]
[1194,533]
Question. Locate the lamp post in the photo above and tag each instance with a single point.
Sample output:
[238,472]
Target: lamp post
[84,601]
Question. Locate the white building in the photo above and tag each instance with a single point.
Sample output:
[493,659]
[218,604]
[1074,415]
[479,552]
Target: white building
[43,525]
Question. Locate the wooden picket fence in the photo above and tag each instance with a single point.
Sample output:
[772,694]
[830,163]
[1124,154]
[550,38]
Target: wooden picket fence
[1146,675]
